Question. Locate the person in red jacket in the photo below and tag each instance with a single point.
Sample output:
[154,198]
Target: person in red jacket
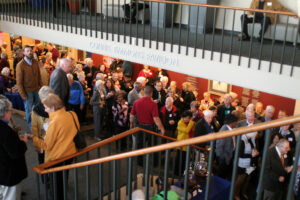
[169,117]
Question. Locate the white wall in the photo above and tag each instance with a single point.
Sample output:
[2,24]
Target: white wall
[251,78]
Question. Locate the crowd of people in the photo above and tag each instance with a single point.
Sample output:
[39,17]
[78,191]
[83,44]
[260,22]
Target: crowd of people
[58,92]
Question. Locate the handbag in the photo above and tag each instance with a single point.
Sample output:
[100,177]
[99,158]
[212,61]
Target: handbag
[79,139]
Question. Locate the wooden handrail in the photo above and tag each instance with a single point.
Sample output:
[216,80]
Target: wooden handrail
[224,7]
[191,141]
[43,166]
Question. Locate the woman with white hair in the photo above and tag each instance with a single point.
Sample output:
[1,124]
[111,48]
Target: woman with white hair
[4,81]
[39,120]
[12,154]
[98,102]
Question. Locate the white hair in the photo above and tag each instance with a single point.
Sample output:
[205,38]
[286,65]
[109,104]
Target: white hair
[138,195]
[207,113]
[98,83]
[3,55]
[270,108]
[164,79]
[5,106]
[170,98]
[141,80]
[99,76]
[70,76]
[5,71]
[87,61]
[78,66]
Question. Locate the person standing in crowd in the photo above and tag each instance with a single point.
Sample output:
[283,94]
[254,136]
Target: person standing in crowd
[276,171]
[59,138]
[39,119]
[248,155]
[177,103]
[159,74]
[4,61]
[197,114]
[169,117]
[127,68]
[110,93]
[4,81]
[164,83]
[120,115]
[98,103]
[147,73]
[76,101]
[134,94]
[29,82]
[17,58]
[159,95]
[127,84]
[187,95]
[59,82]
[54,51]
[225,109]
[147,117]
[225,147]
[259,111]
[206,102]
[89,70]
[184,127]
[12,155]
[115,65]
[289,135]
[44,73]
[215,123]
[204,126]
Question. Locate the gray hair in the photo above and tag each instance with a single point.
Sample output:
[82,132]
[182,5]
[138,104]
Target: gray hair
[208,113]
[270,107]
[136,84]
[5,106]
[44,92]
[5,71]
[3,55]
[170,98]
[281,142]
[70,77]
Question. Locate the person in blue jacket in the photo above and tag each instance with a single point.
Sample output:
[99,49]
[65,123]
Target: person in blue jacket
[76,100]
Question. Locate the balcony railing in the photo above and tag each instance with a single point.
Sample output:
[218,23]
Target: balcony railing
[123,164]
[199,30]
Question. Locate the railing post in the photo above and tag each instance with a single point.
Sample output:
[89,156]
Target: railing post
[294,171]
[235,167]
[38,192]
[147,177]
[263,165]
[166,172]
[129,178]
[210,164]
[186,175]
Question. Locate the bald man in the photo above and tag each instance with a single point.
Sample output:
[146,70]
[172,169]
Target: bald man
[59,82]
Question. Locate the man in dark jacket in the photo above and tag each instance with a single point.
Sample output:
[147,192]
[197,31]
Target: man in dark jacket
[225,109]
[59,82]
[12,155]
[204,126]
[169,117]
[276,171]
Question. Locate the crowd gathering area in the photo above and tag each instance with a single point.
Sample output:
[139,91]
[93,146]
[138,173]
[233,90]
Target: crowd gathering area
[59,93]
